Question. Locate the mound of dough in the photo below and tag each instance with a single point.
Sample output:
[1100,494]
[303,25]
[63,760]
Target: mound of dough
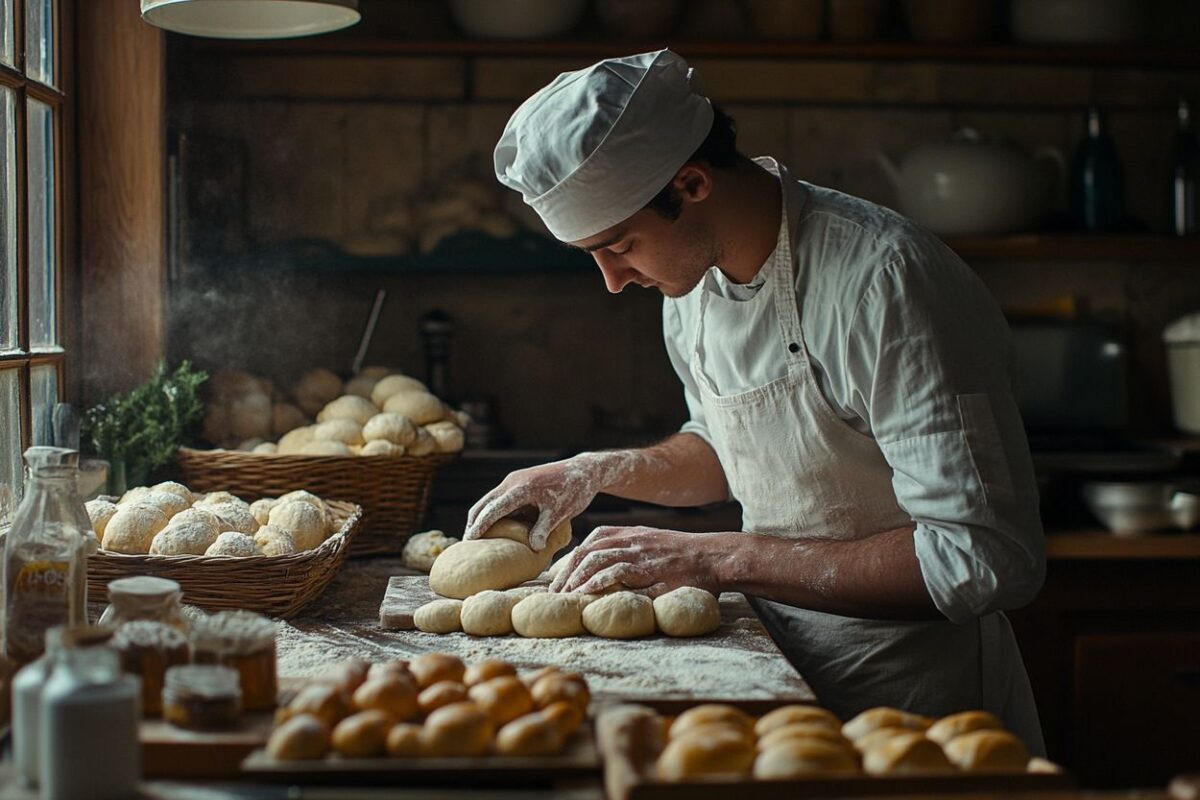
[274,541]
[302,520]
[500,560]
[687,611]
[100,512]
[423,445]
[232,543]
[132,529]
[548,615]
[294,440]
[324,448]
[188,539]
[381,447]
[420,407]
[174,488]
[235,517]
[202,516]
[422,549]
[392,385]
[346,431]
[447,436]
[166,502]
[220,498]
[489,613]
[316,388]
[390,427]
[439,616]
[620,615]
[349,406]
[261,509]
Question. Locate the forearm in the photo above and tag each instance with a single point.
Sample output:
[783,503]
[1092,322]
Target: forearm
[681,470]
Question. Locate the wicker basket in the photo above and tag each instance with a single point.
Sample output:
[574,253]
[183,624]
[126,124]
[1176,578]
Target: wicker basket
[393,492]
[275,585]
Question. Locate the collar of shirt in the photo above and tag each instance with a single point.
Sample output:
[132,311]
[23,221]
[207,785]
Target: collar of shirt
[718,283]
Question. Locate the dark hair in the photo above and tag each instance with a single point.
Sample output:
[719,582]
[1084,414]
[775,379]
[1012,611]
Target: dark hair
[718,150]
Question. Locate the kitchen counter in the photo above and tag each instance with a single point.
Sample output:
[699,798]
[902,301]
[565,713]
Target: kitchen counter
[1100,545]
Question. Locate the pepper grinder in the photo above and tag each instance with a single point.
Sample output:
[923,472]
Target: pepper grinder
[437,329]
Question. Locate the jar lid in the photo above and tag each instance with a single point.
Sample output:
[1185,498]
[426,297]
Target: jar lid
[233,632]
[143,586]
[147,633]
[203,680]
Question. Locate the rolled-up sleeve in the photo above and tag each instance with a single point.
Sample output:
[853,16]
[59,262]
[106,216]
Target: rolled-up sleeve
[927,361]
[678,350]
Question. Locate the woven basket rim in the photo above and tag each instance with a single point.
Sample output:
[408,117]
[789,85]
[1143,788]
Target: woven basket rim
[301,458]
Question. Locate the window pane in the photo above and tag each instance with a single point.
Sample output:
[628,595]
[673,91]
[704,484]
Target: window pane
[40,24]
[6,31]
[43,333]
[10,435]
[43,391]
[8,223]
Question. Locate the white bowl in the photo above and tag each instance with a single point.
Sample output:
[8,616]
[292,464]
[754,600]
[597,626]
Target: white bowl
[517,19]
[1128,509]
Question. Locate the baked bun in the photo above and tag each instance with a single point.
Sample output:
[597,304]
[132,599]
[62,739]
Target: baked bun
[347,675]
[325,702]
[883,717]
[482,671]
[879,736]
[301,738]
[709,713]
[798,714]
[906,753]
[503,699]
[567,717]
[429,668]
[716,751]
[530,735]
[947,728]
[803,731]
[459,729]
[559,687]
[987,750]
[797,758]
[362,735]
[393,695]
[405,740]
[442,693]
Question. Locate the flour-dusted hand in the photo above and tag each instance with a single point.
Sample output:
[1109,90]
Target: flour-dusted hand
[650,560]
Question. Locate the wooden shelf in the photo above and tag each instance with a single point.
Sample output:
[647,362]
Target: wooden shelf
[1078,247]
[1101,545]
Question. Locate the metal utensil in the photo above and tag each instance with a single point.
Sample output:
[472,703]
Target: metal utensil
[368,332]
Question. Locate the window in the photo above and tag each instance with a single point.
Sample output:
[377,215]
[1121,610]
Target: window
[32,351]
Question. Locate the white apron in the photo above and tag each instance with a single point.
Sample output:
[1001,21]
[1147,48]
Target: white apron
[799,471]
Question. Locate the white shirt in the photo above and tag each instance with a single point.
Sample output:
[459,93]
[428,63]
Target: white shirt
[910,348]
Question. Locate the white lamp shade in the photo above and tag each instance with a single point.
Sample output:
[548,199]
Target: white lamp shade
[251,19]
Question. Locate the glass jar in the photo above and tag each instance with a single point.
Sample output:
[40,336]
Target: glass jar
[202,697]
[27,688]
[144,597]
[45,561]
[148,649]
[245,642]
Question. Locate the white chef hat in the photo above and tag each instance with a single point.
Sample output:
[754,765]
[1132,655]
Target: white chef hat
[596,145]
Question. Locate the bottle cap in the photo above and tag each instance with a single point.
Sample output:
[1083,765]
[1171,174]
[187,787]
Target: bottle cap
[40,456]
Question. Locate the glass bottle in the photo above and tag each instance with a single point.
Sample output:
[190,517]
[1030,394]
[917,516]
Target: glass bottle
[1185,173]
[45,561]
[1097,185]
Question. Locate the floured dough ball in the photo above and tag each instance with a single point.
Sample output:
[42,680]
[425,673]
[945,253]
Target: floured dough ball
[100,512]
[132,529]
[189,539]
[346,431]
[250,416]
[360,385]
[261,509]
[687,611]
[306,524]
[265,449]
[460,418]
[489,613]
[349,406]
[422,549]
[799,758]
[235,517]
[439,616]
[381,447]
[420,407]
[174,488]
[316,388]
[303,496]
[447,436]
[232,543]
[549,615]
[133,495]
[317,448]
[202,516]
[390,427]
[620,615]
[906,753]
[220,498]
[293,441]
[169,504]
[392,385]
[286,417]
[423,445]
[273,540]
[987,750]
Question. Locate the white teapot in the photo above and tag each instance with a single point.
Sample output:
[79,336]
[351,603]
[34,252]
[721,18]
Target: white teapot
[972,187]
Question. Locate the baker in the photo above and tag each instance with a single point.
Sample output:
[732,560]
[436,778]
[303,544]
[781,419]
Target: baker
[848,382]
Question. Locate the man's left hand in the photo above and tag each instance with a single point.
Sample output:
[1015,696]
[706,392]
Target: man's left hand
[649,560]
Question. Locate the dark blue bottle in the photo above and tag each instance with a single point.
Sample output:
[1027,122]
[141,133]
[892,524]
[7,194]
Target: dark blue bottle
[1097,186]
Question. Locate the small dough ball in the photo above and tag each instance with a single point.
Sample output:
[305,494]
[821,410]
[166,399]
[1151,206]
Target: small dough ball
[220,499]
[442,693]
[439,616]
[399,667]
[429,668]
[324,448]
[687,611]
[420,407]
[316,388]
[796,715]
[561,688]
[349,406]
[235,517]
[567,717]
[286,417]
[797,758]
[321,701]
[347,675]
[166,502]
[532,735]
[261,509]
[620,615]
[294,440]
[716,752]
[185,539]
[131,496]
[405,741]
[982,750]
[877,737]
[459,729]
[906,753]
[301,738]
[447,436]
[380,447]
[548,616]
[173,487]
[346,431]
[392,694]
[394,384]
[482,671]
[422,549]
[196,515]
[304,496]
[947,728]
[488,613]
[389,427]
[132,529]
[266,449]
[708,714]
[273,540]
[362,735]
[233,543]
[423,444]
[883,717]
[360,385]
[304,522]
[807,731]
[503,699]
[100,512]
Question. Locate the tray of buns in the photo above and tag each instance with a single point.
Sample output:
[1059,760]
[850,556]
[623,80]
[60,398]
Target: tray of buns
[432,720]
[717,750]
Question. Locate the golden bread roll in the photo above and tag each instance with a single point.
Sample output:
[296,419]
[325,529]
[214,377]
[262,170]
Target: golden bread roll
[878,736]
[392,695]
[983,750]
[792,715]
[503,699]
[324,701]
[796,758]
[459,729]
[442,693]
[530,678]
[567,717]
[397,667]
[560,687]
[947,728]
[805,731]
[429,668]
[482,671]
[362,735]
[530,735]
[405,740]
[906,753]
[883,717]
[347,675]
[710,712]
[301,738]
[717,751]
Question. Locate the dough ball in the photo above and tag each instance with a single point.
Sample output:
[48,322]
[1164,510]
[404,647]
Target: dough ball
[718,752]
[132,529]
[687,611]
[233,543]
[488,613]
[196,515]
[360,385]
[883,717]
[322,701]
[250,416]
[877,737]
[294,440]
[302,520]
[500,560]
[316,388]
[391,694]
[422,549]
[394,384]
[186,539]
[389,427]
[947,728]
[349,406]
[304,496]
[220,498]
[620,615]
[439,616]
[362,735]
[320,448]
[423,444]
[531,735]
[550,615]
[459,729]
[235,517]
[796,715]
[261,509]
[806,731]
[404,740]
[346,431]
[795,759]
[301,738]
[482,671]
[166,502]
[420,407]
[266,449]
[711,714]
[286,417]
[982,750]
[503,699]
[561,687]
[274,541]
[100,512]
[906,753]
[172,487]
[131,496]
[442,693]
[429,668]
[447,436]
[381,447]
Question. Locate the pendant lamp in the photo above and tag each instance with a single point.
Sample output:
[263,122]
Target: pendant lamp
[251,19]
